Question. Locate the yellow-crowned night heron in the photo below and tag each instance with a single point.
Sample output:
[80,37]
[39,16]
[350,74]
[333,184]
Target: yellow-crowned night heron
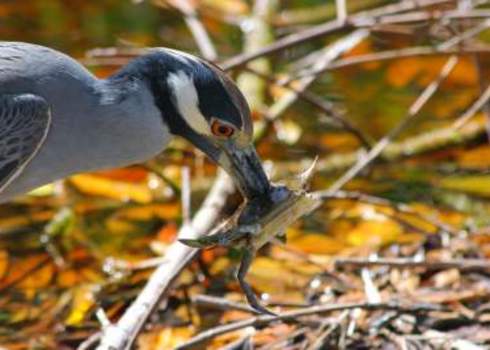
[57,119]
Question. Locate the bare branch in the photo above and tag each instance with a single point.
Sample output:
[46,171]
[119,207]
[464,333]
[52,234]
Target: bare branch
[341,10]
[197,29]
[327,28]
[293,316]
[461,264]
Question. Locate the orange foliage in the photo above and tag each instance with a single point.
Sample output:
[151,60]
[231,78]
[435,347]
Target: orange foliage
[130,174]
[168,233]
[424,70]
[476,158]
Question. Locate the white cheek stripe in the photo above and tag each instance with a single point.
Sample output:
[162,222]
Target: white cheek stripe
[187,100]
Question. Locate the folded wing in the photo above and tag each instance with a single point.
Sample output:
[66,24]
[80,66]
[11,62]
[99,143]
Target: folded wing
[24,125]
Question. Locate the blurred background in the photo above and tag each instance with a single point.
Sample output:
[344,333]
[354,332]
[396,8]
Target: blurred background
[419,68]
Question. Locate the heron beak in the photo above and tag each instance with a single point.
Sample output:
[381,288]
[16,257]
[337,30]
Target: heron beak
[244,166]
[240,162]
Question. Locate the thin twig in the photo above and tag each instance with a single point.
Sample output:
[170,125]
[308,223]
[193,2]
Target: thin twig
[461,264]
[199,32]
[319,341]
[341,10]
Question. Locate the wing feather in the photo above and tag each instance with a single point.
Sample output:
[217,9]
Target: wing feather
[24,125]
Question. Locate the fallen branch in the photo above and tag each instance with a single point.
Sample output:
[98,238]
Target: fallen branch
[460,264]
[292,316]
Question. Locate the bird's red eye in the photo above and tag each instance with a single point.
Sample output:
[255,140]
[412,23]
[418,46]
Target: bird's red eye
[222,130]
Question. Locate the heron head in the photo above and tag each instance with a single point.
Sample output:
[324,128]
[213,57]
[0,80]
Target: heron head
[200,103]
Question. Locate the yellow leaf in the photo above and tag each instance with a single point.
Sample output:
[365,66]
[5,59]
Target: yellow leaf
[119,225]
[475,184]
[165,211]
[229,7]
[317,244]
[83,301]
[374,232]
[39,278]
[402,71]
[477,158]
[98,186]
[4,262]
[68,278]
[169,338]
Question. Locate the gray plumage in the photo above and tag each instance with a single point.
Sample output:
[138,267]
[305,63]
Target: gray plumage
[24,125]
[58,119]
[90,125]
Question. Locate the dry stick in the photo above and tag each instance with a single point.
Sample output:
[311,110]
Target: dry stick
[199,32]
[320,340]
[341,10]
[413,111]
[421,16]
[292,316]
[324,29]
[90,341]
[283,341]
[460,264]
[444,48]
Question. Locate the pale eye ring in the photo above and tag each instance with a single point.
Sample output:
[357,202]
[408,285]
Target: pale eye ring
[221,129]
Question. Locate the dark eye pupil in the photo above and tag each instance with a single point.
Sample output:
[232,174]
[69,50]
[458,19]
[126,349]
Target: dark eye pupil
[223,130]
